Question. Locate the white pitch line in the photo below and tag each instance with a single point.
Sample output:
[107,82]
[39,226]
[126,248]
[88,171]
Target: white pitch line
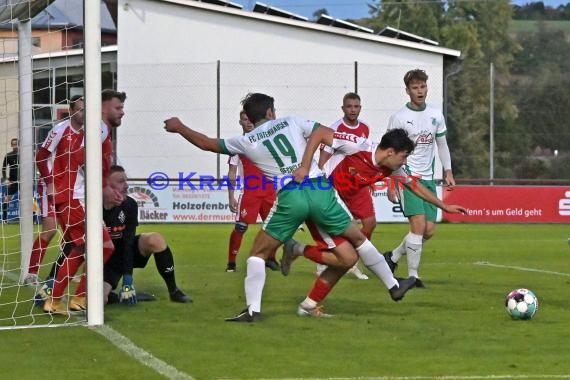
[126,345]
[487,264]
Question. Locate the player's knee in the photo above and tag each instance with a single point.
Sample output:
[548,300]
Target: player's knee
[152,242]
[368,228]
[240,227]
[429,231]
[349,262]
[346,256]
[354,235]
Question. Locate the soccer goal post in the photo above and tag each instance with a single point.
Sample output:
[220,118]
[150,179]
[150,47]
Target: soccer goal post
[94,196]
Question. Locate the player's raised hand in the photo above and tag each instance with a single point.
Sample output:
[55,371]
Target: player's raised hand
[173,125]
[112,197]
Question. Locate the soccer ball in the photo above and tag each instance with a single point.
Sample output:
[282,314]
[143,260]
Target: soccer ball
[521,304]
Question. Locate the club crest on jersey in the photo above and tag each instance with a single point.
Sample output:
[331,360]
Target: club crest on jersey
[122,217]
[433,121]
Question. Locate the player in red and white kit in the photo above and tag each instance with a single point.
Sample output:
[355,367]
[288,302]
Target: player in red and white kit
[69,206]
[358,163]
[70,134]
[256,199]
[360,204]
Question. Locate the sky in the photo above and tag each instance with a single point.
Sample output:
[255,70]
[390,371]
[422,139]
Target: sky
[343,9]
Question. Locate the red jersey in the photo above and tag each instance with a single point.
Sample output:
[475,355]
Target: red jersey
[361,129]
[354,165]
[63,143]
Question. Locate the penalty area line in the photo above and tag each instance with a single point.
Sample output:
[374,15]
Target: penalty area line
[488,264]
[127,346]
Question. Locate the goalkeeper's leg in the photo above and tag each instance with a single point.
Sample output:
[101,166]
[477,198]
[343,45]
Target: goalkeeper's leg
[153,243]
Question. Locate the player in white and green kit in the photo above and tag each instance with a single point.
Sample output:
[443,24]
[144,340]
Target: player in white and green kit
[276,147]
[425,125]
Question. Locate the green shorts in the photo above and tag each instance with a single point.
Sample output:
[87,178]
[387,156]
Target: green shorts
[414,205]
[314,200]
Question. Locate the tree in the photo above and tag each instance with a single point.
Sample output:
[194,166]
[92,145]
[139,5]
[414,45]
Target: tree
[541,88]
[421,18]
[479,29]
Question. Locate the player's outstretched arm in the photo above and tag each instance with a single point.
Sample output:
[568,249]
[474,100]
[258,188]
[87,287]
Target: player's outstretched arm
[174,125]
[422,192]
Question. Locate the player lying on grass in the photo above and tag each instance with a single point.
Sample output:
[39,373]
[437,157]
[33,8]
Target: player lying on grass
[275,146]
[357,163]
[132,250]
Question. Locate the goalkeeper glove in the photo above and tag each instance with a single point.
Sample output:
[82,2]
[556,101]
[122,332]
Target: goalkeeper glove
[128,294]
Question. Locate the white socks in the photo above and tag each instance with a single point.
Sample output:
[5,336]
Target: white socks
[376,263]
[399,250]
[308,304]
[414,245]
[299,248]
[254,283]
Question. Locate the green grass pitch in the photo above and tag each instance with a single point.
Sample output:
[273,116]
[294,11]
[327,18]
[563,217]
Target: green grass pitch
[455,328]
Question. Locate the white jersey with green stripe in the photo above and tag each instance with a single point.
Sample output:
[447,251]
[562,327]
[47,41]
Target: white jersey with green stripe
[276,147]
[423,127]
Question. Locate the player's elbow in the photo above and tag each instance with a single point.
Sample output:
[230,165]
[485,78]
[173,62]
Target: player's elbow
[209,145]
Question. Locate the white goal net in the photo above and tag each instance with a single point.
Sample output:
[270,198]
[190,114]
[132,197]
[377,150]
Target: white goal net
[41,71]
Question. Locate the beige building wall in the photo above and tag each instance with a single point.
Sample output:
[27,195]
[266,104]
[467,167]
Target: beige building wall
[8,106]
[43,41]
